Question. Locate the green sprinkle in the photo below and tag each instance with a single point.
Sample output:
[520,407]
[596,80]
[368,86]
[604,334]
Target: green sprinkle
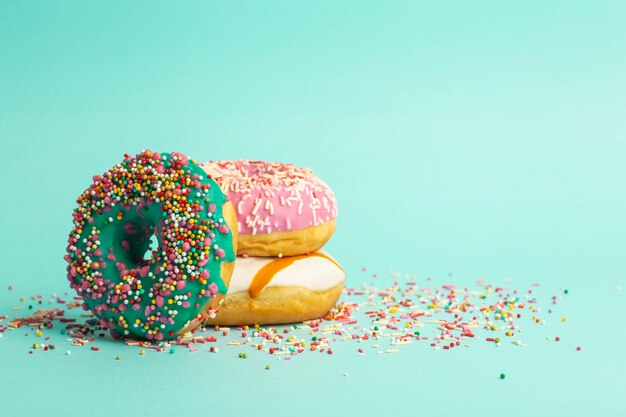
[172,351]
[417,333]
[502,376]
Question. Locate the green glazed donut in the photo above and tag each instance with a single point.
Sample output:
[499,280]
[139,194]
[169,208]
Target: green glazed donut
[161,294]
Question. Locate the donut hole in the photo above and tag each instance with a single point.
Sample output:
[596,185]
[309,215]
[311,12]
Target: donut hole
[135,236]
[138,246]
[153,246]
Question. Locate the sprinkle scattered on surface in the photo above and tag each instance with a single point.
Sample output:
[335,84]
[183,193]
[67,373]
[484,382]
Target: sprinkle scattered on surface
[391,314]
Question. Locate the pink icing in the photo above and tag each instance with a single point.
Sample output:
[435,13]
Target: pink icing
[270,196]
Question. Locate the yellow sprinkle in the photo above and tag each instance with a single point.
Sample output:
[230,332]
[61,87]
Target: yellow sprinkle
[564,319]
[142,352]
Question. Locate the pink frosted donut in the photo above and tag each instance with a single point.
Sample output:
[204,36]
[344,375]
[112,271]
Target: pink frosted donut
[281,209]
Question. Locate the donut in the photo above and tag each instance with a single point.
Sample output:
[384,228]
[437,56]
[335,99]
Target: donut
[281,290]
[281,209]
[180,283]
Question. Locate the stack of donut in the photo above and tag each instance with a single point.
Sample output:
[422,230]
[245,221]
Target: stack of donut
[285,215]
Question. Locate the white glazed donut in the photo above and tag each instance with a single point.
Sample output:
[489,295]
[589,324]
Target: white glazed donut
[281,290]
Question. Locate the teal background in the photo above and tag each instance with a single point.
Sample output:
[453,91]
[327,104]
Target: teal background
[485,139]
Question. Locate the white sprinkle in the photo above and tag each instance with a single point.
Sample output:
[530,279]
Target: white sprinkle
[257,205]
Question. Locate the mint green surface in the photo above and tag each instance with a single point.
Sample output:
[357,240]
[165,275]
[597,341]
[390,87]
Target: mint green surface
[482,139]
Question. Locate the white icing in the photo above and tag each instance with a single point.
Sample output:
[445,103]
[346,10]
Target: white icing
[314,272]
